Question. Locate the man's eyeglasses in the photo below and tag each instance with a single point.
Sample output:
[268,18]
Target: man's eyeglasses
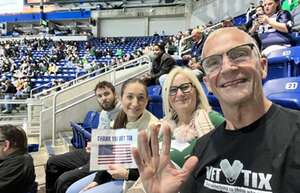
[185,88]
[237,56]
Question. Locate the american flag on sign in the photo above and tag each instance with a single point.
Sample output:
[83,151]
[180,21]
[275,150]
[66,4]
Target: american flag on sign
[114,154]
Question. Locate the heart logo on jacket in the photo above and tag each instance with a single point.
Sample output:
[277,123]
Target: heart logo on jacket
[231,172]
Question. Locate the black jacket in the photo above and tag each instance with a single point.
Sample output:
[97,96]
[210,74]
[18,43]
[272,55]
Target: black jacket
[163,64]
[17,173]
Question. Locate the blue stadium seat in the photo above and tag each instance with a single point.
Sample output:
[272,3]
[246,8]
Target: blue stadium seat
[212,99]
[296,38]
[295,56]
[239,20]
[91,120]
[80,135]
[280,64]
[284,91]
[155,105]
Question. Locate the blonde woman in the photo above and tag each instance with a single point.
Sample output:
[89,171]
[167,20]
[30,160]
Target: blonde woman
[187,112]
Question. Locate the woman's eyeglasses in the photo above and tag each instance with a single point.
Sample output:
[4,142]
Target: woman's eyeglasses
[185,88]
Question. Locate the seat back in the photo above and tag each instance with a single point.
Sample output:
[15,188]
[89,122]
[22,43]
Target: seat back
[212,99]
[78,141]
[91,120]
[284,91]
[280,64]
[155,105]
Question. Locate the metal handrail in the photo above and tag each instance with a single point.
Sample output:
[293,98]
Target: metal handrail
[12,101]
[180,49]
[37,88]
[140,61]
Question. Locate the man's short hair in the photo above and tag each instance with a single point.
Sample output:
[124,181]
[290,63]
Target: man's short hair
[105,84]
[16,137]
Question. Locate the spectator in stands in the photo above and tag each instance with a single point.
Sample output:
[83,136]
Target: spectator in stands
[250,142]
[63,170]
[134,98]
[198,37]
[52,69]
[250,12]
[289,5]
[296,15]
[195,65]
[259,10]
[162,64]
[227,22]
[16,165]
[273,27]
[9,92]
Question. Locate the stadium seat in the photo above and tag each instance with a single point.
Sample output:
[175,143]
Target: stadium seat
[213,101]
[81,131]
[155,105]
[280,64]
[80,136]
[284,91]
[91,120]
[296,38]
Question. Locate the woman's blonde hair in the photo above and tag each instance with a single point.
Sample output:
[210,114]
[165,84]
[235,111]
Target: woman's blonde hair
[202,102]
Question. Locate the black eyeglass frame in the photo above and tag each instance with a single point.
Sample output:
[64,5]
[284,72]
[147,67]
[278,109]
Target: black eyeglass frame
[251,45]
[180,87]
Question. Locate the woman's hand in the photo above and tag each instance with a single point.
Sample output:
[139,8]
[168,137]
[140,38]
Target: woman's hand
[88,147]
[91,185]
[118,172]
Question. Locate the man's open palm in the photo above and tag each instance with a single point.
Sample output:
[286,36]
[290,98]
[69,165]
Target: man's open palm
[157,173]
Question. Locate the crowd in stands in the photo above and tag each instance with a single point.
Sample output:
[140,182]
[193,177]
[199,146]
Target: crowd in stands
[23,62]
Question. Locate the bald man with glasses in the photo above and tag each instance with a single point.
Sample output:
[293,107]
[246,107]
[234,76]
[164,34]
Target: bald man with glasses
[256,150]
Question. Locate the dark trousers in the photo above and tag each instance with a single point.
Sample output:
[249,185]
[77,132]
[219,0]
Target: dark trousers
[65,169]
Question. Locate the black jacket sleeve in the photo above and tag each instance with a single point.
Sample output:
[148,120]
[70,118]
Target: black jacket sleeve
[133,174]
[103,176]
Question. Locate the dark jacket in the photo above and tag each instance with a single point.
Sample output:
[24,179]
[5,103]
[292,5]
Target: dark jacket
[17,173]
[163,64]
[10,89]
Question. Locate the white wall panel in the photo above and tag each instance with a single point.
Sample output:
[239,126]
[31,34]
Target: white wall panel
[123,27]
[171,25]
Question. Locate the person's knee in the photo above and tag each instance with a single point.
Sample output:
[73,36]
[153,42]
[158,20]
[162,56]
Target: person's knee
[50,163]
[62,183]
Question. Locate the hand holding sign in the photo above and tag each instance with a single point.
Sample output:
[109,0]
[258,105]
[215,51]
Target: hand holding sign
[118,172]
[112,146]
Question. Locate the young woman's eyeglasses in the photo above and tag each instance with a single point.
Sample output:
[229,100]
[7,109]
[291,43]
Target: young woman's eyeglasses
[185,88]
[237,56]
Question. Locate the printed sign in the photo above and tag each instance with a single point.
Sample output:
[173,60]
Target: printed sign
[112,146]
